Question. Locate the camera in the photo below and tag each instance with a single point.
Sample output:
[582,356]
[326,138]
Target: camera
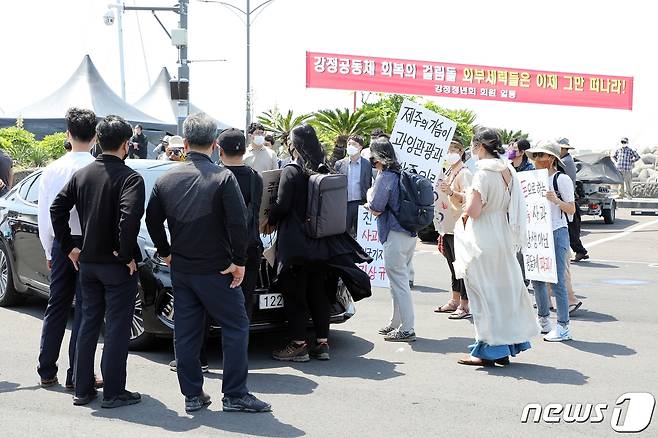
[108,17]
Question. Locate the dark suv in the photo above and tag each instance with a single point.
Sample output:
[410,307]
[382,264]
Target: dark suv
[23,268]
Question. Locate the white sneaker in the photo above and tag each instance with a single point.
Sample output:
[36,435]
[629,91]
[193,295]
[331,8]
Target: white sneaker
[559,334]
[545,324]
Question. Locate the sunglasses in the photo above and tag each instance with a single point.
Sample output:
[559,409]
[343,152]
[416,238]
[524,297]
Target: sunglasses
[539,155]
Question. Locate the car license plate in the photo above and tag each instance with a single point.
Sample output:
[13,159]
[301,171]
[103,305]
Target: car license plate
[270,301]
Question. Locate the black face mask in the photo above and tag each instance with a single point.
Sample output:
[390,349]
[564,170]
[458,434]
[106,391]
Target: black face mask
[373,162]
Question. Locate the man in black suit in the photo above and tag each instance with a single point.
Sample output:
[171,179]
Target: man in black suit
[359,179]
[109,197]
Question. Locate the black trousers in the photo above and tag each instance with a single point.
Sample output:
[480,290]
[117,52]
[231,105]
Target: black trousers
[304,291]
[353,217]
[195,295]
[64,285]
[457,284]
[108,292]
[574,234]
[248,286]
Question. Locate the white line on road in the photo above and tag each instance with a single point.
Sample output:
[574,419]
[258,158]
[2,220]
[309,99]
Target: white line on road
[620,235]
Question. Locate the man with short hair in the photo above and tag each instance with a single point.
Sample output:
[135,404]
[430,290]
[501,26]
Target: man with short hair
[207,221]
[269,142]
[64,280]
[109,198]
[259,157]
[139,144]
[625,158]
[359,180]
[574,225]
[232,148]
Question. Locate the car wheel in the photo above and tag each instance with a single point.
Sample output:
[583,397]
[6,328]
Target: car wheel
[8,294]
[609,214]
[139,339]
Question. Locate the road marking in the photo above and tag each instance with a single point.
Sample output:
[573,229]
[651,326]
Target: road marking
[620,235]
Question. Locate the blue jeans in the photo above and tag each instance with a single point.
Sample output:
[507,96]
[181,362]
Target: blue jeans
[561,243]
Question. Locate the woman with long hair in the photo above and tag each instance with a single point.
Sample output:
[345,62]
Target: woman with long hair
[486,249]
[308,268]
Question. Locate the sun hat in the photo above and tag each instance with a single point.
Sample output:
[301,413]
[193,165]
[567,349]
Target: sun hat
[548,147]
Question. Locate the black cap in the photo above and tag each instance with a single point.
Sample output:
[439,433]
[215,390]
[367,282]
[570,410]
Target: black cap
[231,140]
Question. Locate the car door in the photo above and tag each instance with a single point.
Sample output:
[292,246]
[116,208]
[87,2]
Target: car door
[30,258]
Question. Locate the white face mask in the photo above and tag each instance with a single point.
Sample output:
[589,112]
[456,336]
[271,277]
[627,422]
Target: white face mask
[352,150]
[259,140]
[452,158]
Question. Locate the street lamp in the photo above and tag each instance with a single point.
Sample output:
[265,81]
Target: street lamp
[247,14]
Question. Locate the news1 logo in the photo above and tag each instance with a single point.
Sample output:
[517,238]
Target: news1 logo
[638,412]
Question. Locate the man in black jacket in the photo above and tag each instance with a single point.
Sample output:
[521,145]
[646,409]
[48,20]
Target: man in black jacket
[138,144]
[109,197]
[207,220]
[232,149]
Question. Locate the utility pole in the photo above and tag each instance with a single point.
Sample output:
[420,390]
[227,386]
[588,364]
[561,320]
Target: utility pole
[183,70]
[179,39]
[248,103]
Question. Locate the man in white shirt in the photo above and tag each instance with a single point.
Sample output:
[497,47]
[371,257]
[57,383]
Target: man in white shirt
[64,285]
[259,157]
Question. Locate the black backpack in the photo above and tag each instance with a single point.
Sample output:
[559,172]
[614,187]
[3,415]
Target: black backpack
[556,189]
[416,204]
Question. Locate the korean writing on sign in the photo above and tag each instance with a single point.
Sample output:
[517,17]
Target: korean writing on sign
[348,72]
[368,238]
[421,138]
[270,189]
[539,253]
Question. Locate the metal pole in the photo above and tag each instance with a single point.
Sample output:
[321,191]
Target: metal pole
[248,118]
[183,69]
[121,64]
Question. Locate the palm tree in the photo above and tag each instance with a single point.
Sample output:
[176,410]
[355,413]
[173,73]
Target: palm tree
[281,125]
[341,124]
[508,136]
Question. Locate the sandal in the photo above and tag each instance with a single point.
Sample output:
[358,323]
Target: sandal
[574,307]
[476,362]
[460,313]
[450,307]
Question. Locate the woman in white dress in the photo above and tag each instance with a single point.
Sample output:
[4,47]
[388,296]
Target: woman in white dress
[486,248]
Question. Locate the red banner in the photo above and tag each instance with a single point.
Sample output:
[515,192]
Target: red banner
[388,75]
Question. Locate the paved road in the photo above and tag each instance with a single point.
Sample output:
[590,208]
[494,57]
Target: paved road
[373,388]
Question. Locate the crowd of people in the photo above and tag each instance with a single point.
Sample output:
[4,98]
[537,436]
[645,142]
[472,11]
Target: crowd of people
[203,218]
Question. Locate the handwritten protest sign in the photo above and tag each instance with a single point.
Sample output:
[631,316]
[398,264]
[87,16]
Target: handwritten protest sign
[368,238]
[421,138]
[270,189]
[539,254]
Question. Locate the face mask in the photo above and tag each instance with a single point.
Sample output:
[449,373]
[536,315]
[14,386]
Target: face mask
[512,154]
[452,158]
[352,150]
[259,140]
[373,162]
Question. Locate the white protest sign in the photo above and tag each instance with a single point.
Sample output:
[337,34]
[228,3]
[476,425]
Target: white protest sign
[270,189]
[421,138]
[539,254]
[368,238]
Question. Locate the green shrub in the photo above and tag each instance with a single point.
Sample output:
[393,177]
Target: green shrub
[53,145]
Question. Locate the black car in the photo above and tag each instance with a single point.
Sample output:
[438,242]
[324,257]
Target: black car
[23,269]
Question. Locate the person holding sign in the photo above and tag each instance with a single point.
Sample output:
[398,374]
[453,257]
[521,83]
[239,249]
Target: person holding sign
[447,210]
[399,244]
[485,248]
[546,155]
